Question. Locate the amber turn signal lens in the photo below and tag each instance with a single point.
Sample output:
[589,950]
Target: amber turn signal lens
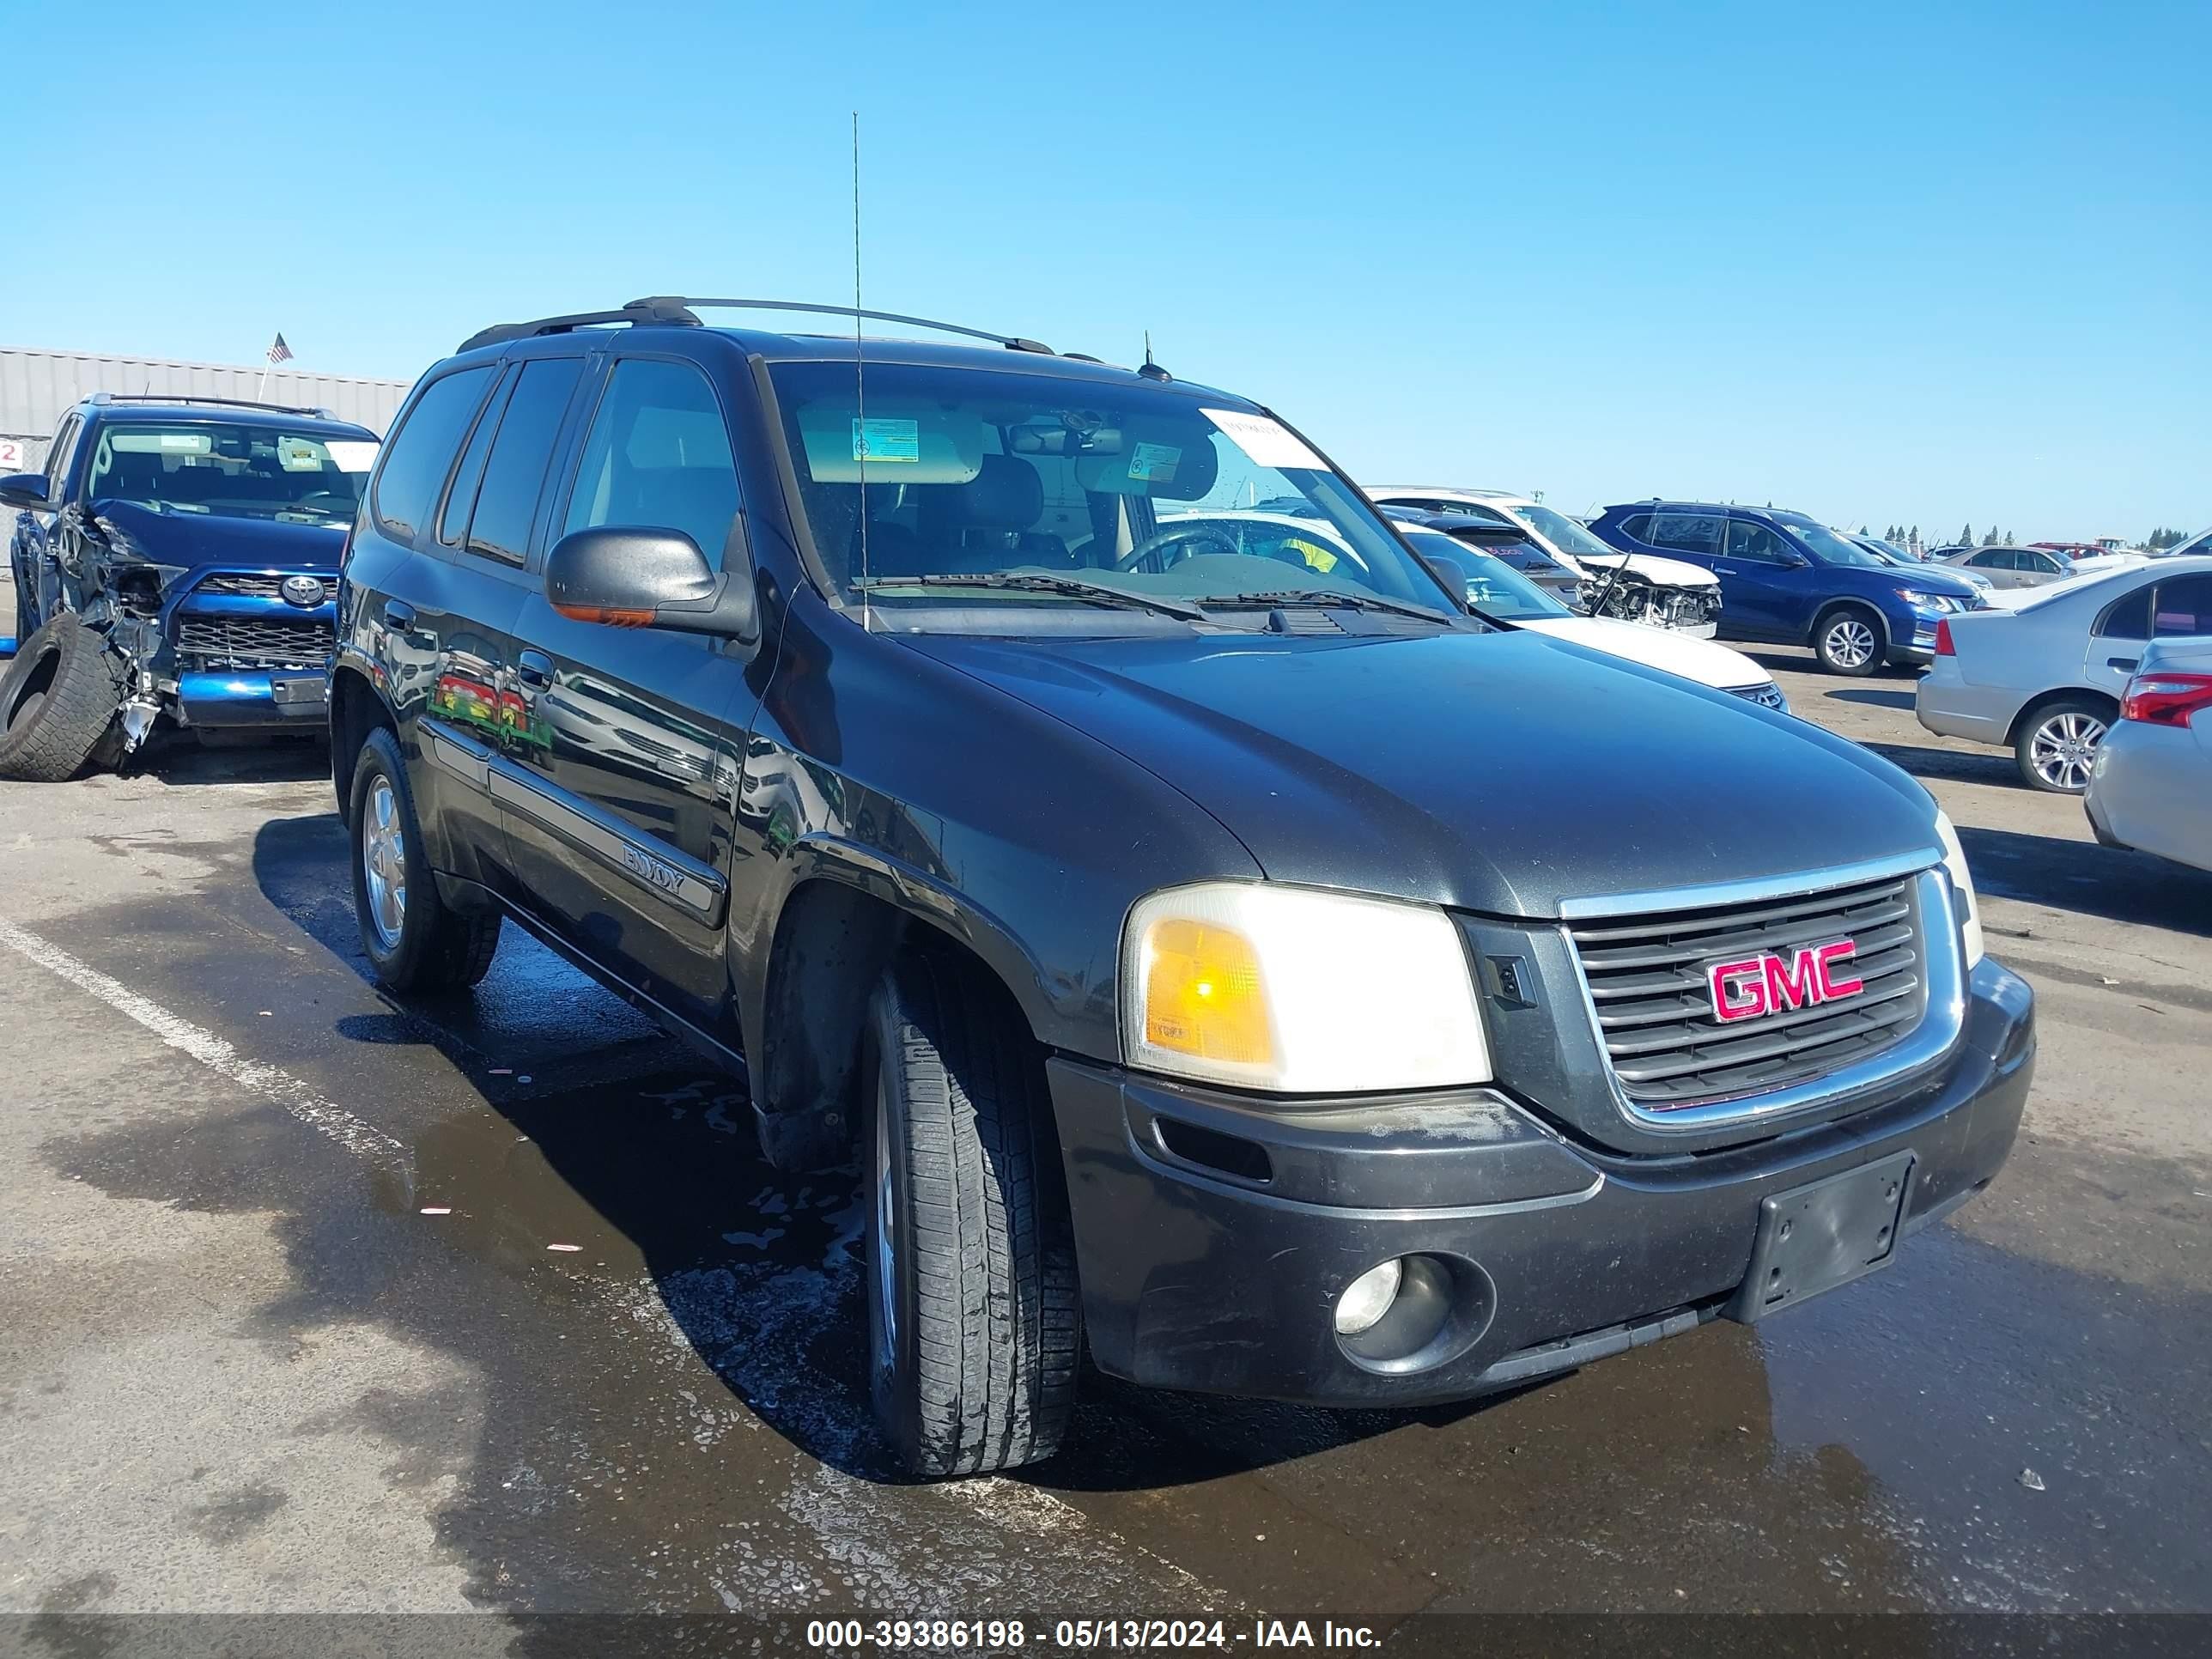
[611,617]
[1204,995]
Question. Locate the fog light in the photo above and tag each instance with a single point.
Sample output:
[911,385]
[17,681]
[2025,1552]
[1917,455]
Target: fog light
[1367,1299]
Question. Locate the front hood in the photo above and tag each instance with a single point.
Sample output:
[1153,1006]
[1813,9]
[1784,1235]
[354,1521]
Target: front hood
[1501,773]
[1666,573]
[1666,649]
[187,539]
[1930,580]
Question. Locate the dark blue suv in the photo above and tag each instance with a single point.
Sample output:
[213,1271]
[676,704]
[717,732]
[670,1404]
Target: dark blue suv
[1791,580]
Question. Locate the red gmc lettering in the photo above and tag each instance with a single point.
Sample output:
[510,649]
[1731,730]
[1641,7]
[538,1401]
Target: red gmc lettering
[1766,984]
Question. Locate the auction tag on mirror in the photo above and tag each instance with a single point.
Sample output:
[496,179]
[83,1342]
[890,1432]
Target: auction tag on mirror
[1268,442]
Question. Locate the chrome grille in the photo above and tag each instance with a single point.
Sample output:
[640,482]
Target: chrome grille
[1766,694]
[1648,993]
[258,586]
[254,642]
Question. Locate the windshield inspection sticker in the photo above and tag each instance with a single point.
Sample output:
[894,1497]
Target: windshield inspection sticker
[1154,464]
[352,454]
[875,439]
[298,455]
[1268,442]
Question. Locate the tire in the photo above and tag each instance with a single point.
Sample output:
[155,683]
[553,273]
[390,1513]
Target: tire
[413,940]
[2056,744]
[58,701]
[973,1369]
[1851,641]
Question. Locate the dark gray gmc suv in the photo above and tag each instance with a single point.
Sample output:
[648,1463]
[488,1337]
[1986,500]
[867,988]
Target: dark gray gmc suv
[1222,951]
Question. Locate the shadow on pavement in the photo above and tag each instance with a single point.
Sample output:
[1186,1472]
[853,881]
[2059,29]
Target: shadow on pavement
[2093,880]
[1870,696]
[183,758]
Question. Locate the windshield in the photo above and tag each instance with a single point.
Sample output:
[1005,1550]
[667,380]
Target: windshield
[1827,546]
[1563,532]
[230,471]
[1493,587]
[1034,492]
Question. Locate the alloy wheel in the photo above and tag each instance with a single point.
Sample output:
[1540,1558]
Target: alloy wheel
[1850,643]
[383,863]
[2064,748]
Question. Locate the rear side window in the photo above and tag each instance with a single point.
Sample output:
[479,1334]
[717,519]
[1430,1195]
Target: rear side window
[420,453]
[1686,532]
[659,456]
[461,494]
[2184,607]
[1638,525]
[2127,618]
[515,474]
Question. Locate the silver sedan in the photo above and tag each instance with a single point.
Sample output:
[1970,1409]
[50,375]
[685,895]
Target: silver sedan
[2151,787]
[2045,677]
[2015,566]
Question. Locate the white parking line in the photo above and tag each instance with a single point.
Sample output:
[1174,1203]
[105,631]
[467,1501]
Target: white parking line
[1020,1508]
[272,1082]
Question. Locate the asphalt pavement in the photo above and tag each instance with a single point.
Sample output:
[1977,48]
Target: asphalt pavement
[311,1301]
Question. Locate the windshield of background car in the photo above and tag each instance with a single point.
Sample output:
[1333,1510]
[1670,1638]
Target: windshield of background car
[229,471]
[1827,546]
[1493,587]
[954,472]
[1564,533]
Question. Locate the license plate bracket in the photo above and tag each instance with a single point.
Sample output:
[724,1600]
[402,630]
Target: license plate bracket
[304,692]
[1825,1234]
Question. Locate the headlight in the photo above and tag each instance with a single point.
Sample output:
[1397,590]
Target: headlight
[1300,992]
[1970,908]
[1914,596]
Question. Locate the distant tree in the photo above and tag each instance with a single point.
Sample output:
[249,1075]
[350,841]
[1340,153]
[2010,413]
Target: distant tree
[1863,530]
[1912,538]
[1966,535]
[2008,538]
[2163,538]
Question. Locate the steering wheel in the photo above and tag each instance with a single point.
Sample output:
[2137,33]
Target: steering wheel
[1149,555]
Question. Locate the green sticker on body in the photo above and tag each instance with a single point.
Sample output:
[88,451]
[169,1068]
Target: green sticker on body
[880,439]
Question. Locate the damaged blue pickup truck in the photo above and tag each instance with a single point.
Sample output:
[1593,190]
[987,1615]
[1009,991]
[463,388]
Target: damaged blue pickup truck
[177,561]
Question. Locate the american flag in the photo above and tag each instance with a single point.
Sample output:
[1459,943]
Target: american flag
[279,352]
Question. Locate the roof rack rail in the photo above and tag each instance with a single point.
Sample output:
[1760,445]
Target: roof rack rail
[1011,341]
[637,313]
[106,397]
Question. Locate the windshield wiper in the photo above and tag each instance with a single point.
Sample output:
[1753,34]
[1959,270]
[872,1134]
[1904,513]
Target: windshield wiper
[1038,581]
[1333,597]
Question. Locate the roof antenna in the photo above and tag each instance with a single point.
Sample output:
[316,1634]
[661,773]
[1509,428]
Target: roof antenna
[1152,371]
[860,388]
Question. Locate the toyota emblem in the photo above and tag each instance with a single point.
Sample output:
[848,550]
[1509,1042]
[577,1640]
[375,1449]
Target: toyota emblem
[306,591]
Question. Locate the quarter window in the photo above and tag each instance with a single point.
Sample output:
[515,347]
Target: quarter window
[2127,618]
[1636,526]
[461,494]
[515,474]
[420,453]
[658,458]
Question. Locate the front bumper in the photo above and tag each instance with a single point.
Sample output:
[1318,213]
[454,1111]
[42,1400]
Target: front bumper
[276,700]
[1214,1239]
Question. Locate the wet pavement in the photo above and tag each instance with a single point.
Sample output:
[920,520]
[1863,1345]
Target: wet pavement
[281,1324]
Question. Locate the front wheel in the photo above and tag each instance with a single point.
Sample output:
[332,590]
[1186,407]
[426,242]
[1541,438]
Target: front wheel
[2057,744]
[974,1327]
[1849,640]
[415,940]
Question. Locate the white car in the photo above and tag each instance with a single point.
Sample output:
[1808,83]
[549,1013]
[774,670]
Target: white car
[2151,787]
[1496,589]
[1670,593]
[2045,676]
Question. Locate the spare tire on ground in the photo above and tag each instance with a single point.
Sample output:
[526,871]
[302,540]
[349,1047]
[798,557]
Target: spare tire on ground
[58,701]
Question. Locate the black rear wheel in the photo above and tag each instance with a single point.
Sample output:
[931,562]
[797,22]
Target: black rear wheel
[973,1312]
[415,940]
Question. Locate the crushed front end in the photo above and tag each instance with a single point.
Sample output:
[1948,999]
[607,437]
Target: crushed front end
[1630,595]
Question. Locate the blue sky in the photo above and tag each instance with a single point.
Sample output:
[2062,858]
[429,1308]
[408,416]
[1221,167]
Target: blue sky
[1925,263]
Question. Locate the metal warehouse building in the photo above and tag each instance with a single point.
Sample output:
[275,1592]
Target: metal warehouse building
[36,386]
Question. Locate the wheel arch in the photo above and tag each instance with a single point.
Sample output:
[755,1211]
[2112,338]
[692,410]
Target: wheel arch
[841,925]
[1849,602]
[2035,706]
[356,709]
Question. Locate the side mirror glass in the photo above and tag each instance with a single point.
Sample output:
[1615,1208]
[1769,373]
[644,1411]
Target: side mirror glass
[26,491]
[640,577]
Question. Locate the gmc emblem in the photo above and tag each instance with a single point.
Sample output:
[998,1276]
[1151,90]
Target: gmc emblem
[1755,987]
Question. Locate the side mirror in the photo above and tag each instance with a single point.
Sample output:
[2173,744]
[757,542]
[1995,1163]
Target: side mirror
[1456,577]
[1793,560]
[636,577]
[27,491]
